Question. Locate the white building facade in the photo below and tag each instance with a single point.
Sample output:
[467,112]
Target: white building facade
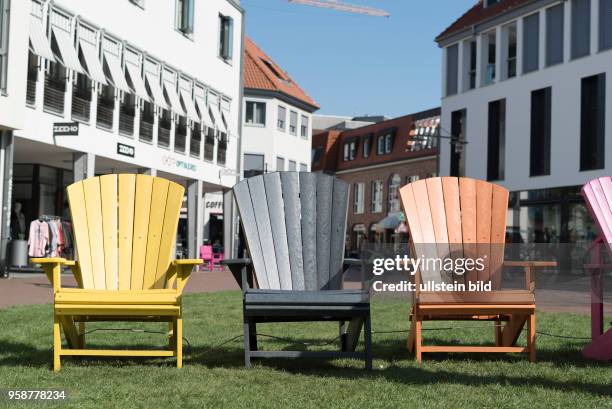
[526,98]
[120,86]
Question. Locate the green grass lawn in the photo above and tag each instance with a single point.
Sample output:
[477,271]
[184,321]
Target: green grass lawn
[216,378]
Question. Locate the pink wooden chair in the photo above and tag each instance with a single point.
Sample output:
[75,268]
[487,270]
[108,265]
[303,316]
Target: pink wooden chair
[206,254]
[217,259]
[598,196]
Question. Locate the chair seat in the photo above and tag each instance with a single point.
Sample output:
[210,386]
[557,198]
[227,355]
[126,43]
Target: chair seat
[307,298]
[506,297]
[115,297]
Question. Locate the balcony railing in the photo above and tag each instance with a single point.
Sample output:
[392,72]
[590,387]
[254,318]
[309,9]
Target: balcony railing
[126,120]
[54,95]
[81,104]
[163,134]
[31,92]
[106,107]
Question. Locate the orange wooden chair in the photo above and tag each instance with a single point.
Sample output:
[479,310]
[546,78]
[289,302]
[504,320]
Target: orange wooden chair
[460,218]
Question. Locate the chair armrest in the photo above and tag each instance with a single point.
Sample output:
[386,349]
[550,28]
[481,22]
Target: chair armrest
[528,266]
[238,268]
[52,266]
[180,270]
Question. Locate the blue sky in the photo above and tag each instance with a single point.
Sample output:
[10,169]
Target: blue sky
[352,64]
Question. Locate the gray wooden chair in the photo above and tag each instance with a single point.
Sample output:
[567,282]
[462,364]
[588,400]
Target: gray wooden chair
[295,225]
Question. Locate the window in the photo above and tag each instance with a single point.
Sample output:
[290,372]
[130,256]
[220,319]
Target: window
[316,156]
[367,145]
[554,35]
[282,118]
[293,118]
[350,150]
[531,43]
[222,149]
[4,34]
[292,165]
[605,24]
[458,127]
[593,122]
[472,59]
[581,28]
[510,33]
[253,165]
[255,113]
[377,196]
[226,37]
[384,143]
[209,144]
[412,179]
[304,127]
[184,16]
[490,48]
[394,200]
[280,164]
[358,196]
[303,167]
[539,155]
[452,69]
[496,140]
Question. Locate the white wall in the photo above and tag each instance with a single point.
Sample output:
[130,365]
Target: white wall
[12,104]
[271,142]
[565,80]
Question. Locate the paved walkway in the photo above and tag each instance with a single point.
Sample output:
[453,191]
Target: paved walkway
[554,294]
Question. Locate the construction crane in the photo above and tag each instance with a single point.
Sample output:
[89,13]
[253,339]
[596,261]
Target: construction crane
[341,6]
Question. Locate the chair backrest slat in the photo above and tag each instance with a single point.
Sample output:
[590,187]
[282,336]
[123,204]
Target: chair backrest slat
[308,205]
[598,197]
[276,209]
[264,228]
[127,196]
[95,231]
[338,234]
[325,188]
[125,230]
[242,195]
[457,218]
[295,226]
[108,193]
[291,194]
[142,209]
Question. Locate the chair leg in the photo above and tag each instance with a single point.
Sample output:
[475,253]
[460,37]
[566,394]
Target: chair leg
[253,336]
[531,337]
[417,338]
[367,334]
[178,336]
[343,336]
[247,342]
[57,344]
[412,334]
[498,332]
[82,335]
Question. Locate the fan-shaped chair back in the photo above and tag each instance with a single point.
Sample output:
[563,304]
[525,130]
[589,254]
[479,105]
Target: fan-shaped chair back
[294,225]
[125,230]
[457,218]
[598,196]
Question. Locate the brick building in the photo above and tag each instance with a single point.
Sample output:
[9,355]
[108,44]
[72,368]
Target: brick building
[377,160]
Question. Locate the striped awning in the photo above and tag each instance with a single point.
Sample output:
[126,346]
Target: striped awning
[424,134]
[175,102]
[68,54]
[156,91]
[137,82]
[39,43]
[117,76]
[218,119]
[92,62]
[206,118]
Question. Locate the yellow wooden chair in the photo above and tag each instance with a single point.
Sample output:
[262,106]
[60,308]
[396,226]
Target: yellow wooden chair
[125,229]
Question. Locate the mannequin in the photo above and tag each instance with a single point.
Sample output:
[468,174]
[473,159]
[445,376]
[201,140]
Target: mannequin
[18,222]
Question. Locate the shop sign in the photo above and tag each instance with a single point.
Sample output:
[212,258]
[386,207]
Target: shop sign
[172,162]
[126,150]
[214,205]
[66,129]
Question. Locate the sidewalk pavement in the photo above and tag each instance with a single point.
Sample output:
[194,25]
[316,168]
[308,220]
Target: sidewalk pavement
[560,294]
